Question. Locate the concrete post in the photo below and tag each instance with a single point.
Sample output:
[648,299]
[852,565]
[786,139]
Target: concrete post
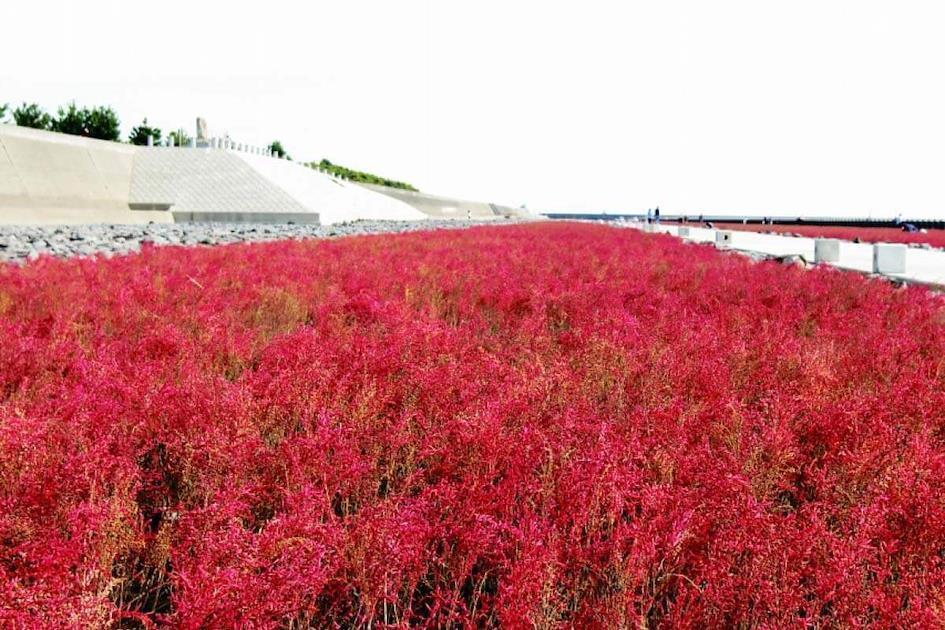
[192,143]
[170,141]
[723,238]
[826,250]
[889,258]
[150,141]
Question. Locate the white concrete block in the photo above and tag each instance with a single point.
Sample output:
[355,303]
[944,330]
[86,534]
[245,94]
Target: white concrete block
[888,258]
[723,238]
[826,250]
[683,232]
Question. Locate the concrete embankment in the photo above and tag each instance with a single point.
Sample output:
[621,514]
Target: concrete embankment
[51,178]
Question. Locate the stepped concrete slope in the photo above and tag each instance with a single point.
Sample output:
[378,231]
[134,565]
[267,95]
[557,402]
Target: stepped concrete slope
[447,208]
[48,178]
[210,185]
[51,178]
[335,201]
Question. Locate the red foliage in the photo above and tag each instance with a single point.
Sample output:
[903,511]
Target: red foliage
[553,424]
[935,238]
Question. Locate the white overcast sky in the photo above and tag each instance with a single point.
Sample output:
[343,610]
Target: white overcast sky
[803,107]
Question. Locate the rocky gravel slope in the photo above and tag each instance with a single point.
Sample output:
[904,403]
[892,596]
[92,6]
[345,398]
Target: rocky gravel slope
[23,243]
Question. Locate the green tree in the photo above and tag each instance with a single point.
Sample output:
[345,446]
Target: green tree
[180,138]
[71,120]
[3,111]
[103,123]
[99,122]
[31,115]
[278,150]
[139,135]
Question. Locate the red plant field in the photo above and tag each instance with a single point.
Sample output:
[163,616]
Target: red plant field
[543,425]
[935,238]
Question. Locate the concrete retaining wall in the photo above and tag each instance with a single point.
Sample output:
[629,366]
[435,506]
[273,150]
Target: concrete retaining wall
[335,201]
[54,178]
[51,178]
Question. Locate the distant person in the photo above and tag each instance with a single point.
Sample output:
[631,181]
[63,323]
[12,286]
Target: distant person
[909,227]
[656,215]
[649,216]
[898,219]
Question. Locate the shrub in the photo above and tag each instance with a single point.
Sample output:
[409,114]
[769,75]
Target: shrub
[358,176]
[556,425]
[140,134]
[278,150]
[31,115]
[100,122]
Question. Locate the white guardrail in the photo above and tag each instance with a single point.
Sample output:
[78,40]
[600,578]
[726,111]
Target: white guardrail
[893,260]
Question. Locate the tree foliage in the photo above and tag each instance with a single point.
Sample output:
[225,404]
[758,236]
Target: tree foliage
[71,120]
[278,150]
[362,177]
[140,134]
[98,122]
[31,115]
[3,111]
[103,123]
[180,138]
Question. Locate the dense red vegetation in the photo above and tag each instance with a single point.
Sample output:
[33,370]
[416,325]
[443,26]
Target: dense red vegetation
[935,238]
[553,424]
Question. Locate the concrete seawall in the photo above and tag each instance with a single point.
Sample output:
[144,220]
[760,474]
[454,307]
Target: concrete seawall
[51,178]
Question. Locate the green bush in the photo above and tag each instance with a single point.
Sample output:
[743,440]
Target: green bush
[139,135]
[278,150]
[71,120]
[103,123]
[359,176]
[180,138]
[31,115]
[100,122]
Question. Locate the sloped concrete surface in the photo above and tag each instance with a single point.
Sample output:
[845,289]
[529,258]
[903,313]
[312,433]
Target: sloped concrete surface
[206,184]
[53,178]
[335,201]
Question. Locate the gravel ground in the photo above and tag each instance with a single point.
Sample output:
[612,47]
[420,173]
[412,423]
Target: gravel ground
[23,243]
